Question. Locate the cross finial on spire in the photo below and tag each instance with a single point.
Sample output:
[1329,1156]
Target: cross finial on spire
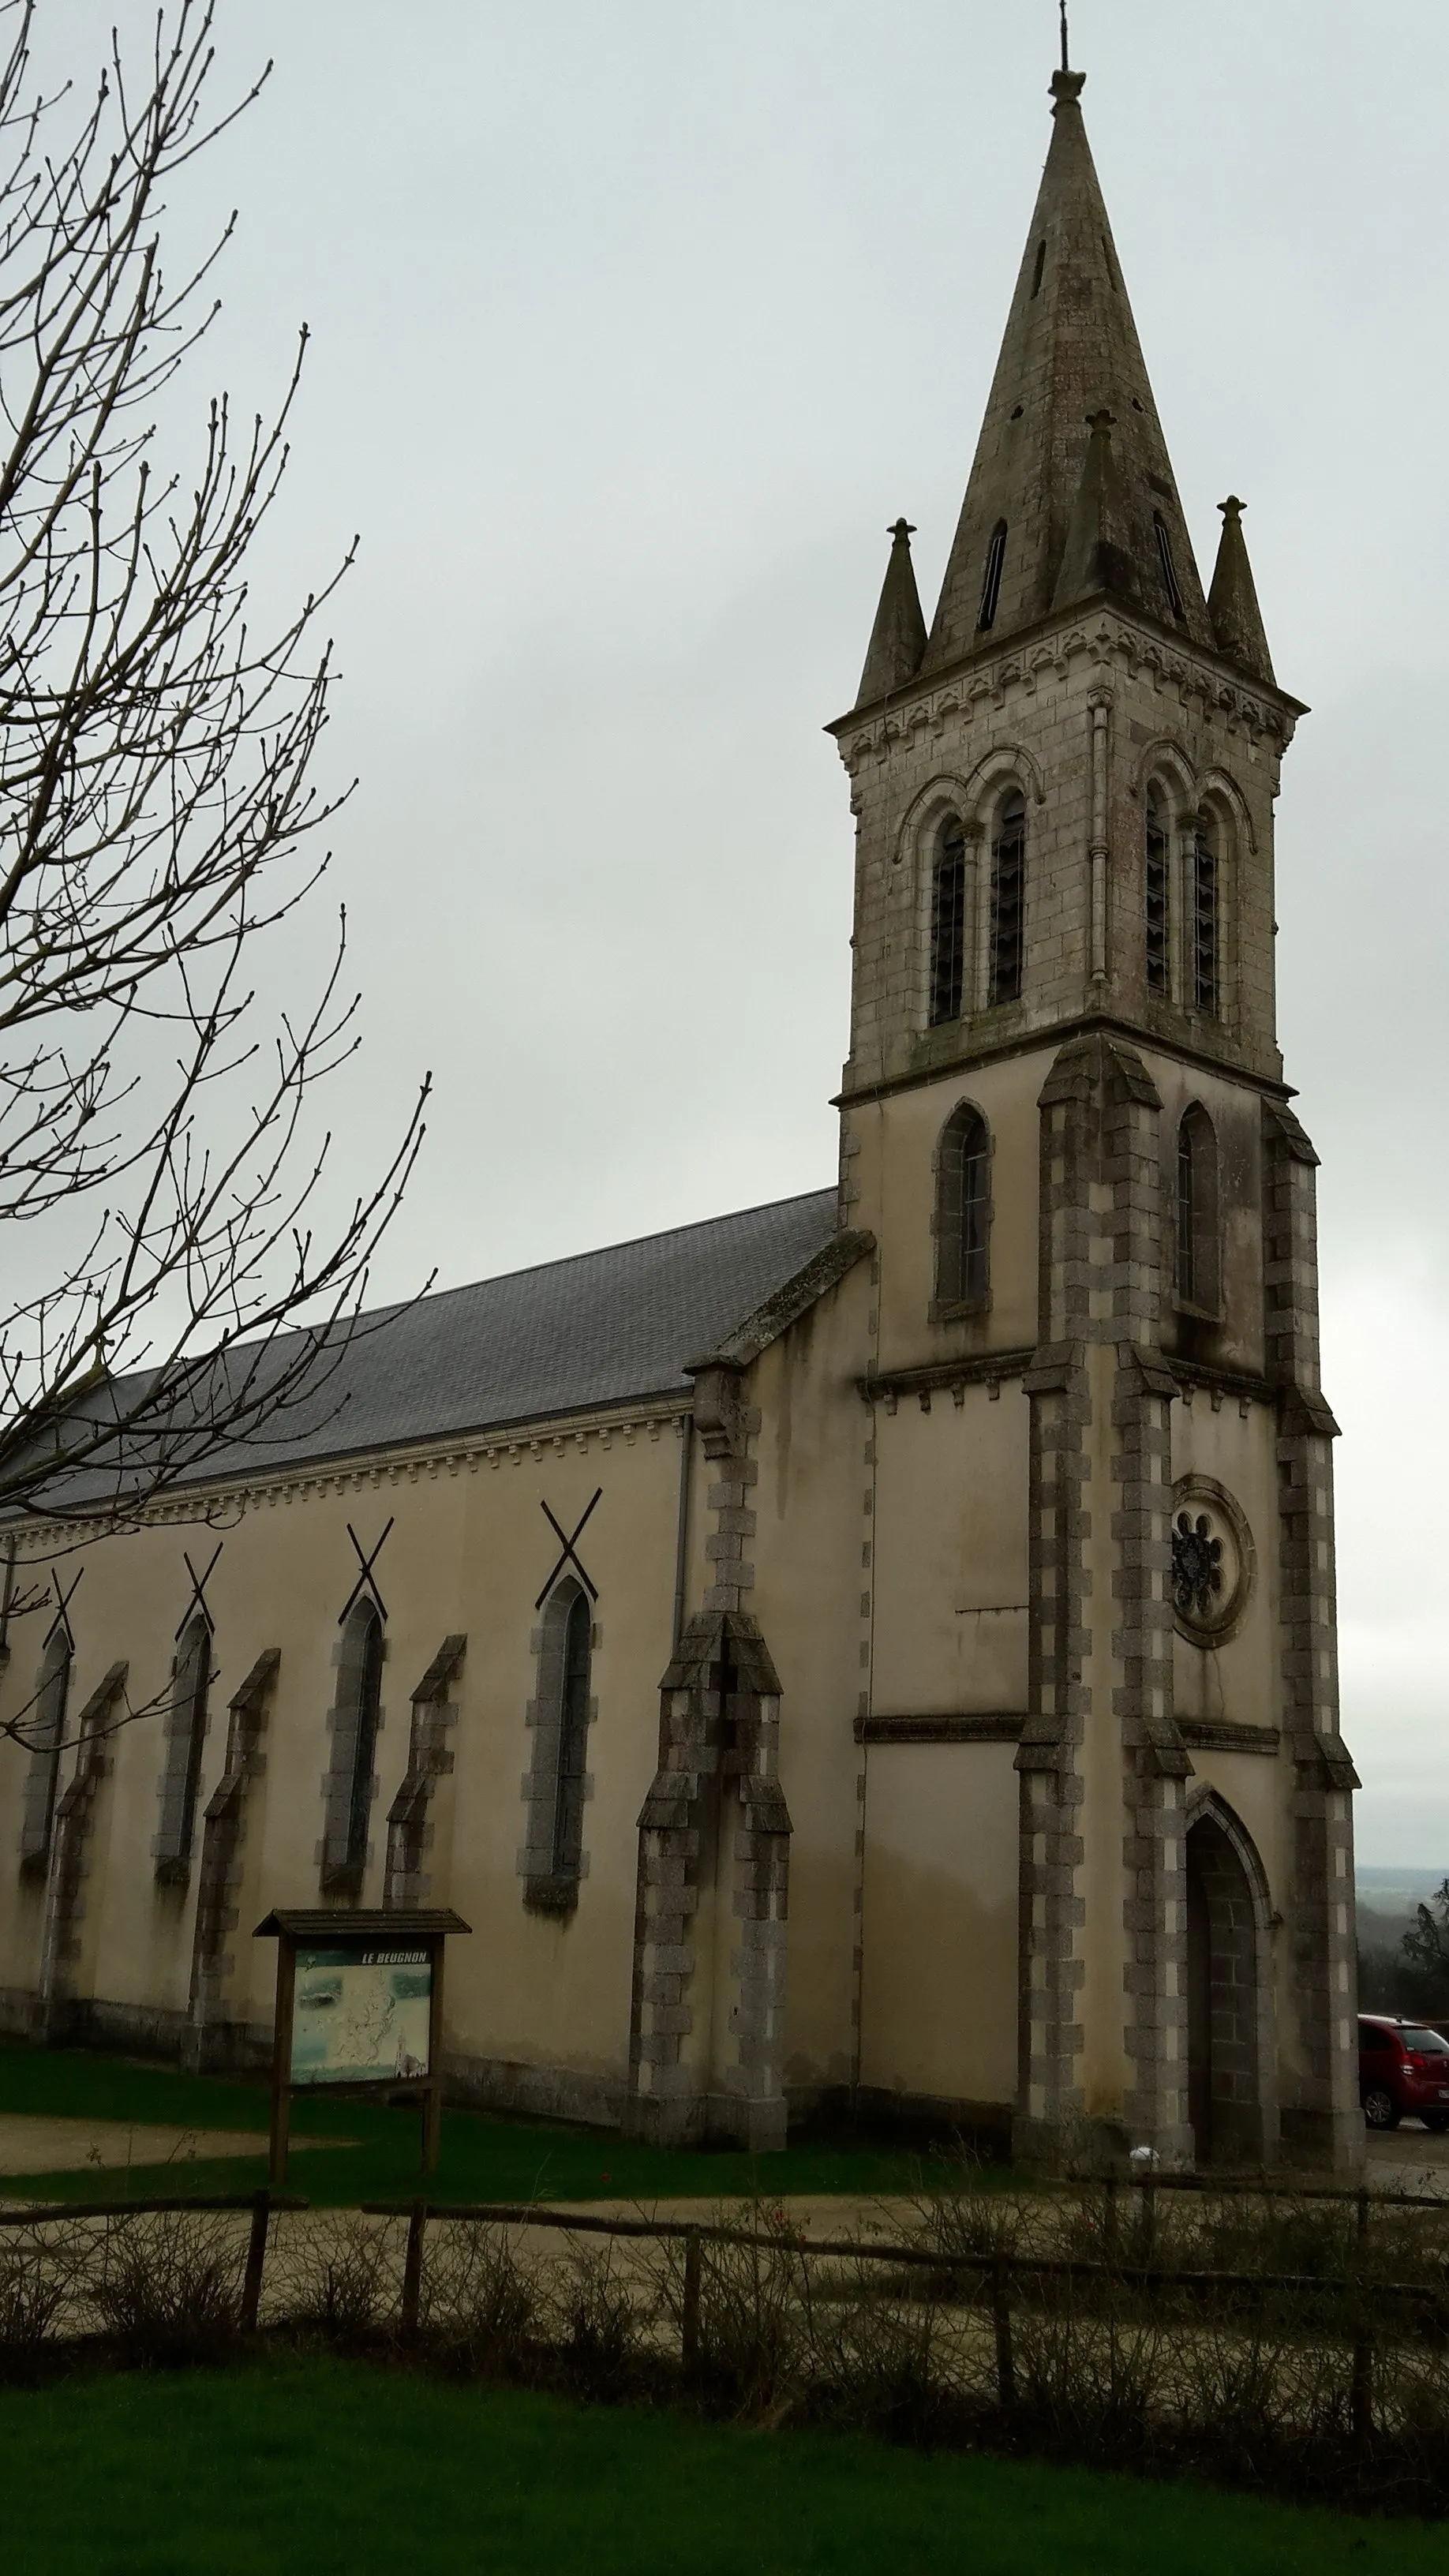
[1066,85]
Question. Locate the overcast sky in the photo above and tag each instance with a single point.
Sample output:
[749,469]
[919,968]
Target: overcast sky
[634,325]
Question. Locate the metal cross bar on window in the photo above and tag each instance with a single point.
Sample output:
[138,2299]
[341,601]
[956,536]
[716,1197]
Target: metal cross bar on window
[63,1601]
[568,1557]
[199,1583]
[367,1580]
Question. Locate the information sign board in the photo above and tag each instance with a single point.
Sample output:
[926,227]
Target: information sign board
[360,2008]
[361,2014]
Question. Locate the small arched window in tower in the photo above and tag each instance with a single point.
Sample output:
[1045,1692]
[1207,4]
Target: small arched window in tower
[185,1737]
[962,1212]
[1206,924]
[557,1780]
[1198,1267]
[948,923]
[1008,899]
[991,579]
[1158,876]
[1170,581]
[45,1732]
[355,1716]
[1039,272]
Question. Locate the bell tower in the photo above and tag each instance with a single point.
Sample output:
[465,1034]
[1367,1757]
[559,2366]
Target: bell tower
[1065,1121]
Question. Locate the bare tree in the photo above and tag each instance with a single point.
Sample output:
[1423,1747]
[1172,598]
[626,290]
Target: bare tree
[170,1289]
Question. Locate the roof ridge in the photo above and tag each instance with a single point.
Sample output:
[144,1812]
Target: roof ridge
[598,1251]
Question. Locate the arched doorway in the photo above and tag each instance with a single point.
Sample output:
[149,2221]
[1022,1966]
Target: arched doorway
[1228,2053]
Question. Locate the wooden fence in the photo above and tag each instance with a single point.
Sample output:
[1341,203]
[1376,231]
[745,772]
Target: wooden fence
[1006,2277]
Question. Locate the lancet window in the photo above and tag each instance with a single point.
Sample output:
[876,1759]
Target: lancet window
[1158,884]
[45,1732]
[355,1718]
[948,923]
[1008,899]
[1206,921]
[1170,581]
[185,1738]
[991,579]
[1198,1267]
[558,1779]
[962,1209]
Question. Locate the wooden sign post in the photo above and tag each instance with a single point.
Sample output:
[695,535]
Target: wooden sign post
[359,2011]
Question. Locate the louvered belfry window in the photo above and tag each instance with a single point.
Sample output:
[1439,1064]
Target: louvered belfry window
[1158,924]
[1008,900]
[1206,924]
[948,923]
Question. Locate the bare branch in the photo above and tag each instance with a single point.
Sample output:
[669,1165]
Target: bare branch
[173,1293]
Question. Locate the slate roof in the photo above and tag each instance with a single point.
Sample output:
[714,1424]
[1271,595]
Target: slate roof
[599,1329]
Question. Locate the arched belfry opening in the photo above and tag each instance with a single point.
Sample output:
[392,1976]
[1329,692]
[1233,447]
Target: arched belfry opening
[1229,1994]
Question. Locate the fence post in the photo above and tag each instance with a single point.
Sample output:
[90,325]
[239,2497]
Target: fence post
[413,2267]
[689,2306]
[1361,2387]
[1109,2219]
[1361,2397]
[251,2298]
[1001,2320]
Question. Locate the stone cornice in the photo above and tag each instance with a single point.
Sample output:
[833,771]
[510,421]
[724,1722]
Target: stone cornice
[228,1499]
[943,1377]
[1106,633]
[1221,1735]
[1004,1726]
[1046,1041]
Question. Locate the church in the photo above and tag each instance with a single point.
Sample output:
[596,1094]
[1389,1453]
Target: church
[870,1655]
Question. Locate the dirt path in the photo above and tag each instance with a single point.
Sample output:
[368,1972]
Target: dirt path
[29,2145]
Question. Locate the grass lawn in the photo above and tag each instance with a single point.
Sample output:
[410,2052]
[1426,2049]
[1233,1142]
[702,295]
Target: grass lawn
[482,2158]
[333,2469]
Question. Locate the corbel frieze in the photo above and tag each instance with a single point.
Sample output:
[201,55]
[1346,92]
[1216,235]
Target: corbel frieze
[1112,638]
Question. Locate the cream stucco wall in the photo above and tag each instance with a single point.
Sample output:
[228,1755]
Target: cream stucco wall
[939,1922]
[469,1551]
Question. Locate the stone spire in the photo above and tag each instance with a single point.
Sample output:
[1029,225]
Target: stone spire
[1233,600]
[1070,354]
[898,637]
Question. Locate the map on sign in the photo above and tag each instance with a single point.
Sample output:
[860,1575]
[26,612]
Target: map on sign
[361,2015]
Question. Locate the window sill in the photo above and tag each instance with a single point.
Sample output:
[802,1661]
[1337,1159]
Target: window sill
[958,1310]
[1197,1314]
[551,1895]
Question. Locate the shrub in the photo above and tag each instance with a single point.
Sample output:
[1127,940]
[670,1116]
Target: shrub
[479,2301]
[167,2288]
[338,2279]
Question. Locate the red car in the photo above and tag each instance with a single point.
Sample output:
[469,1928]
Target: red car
[1403,2070]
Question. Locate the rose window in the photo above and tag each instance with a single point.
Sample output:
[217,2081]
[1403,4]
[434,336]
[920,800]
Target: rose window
[1212,1561]
[1197,1567]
